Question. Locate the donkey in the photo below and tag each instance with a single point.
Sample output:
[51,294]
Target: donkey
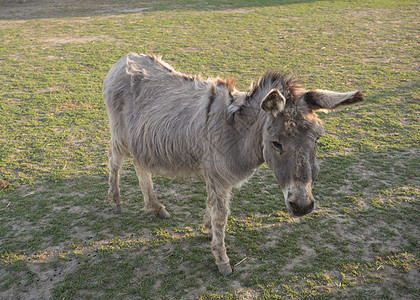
[173,124]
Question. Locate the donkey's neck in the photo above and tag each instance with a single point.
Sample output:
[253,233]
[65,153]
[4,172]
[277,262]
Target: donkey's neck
[249,125]
[253,143]
[250,144]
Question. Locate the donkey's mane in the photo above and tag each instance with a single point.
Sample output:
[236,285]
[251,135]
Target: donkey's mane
[287,84]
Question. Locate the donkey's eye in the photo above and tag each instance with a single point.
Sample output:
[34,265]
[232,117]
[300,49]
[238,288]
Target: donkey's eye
[277,146]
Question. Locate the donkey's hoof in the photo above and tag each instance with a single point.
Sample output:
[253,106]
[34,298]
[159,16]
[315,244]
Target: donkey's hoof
[117,208]
[162,213]
[225,269]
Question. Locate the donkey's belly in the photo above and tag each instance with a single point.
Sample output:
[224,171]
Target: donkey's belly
[168,158]
[170,168]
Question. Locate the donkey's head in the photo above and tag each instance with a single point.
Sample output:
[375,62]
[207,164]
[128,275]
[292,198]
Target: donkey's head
[290,135]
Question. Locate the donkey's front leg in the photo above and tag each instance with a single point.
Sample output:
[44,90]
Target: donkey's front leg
[218,199]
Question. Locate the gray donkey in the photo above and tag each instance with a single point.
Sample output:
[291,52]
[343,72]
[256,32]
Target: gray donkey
[177,125]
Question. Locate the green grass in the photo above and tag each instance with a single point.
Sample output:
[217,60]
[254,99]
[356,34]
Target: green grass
[58,235]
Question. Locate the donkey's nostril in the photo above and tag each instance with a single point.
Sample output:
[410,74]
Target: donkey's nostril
[294,206]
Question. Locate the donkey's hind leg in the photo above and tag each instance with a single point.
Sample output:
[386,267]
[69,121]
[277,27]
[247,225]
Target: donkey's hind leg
[115,161]
[150,200]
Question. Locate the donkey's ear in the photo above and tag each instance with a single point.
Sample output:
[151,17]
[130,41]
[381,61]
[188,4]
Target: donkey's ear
[327,100]
[273,102]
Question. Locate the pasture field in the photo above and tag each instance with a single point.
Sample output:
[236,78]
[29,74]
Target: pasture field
[59,238]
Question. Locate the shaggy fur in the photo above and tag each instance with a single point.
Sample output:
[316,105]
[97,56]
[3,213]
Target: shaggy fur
[178,125]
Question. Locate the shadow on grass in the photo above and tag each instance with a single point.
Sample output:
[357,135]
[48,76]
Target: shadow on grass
[62,239]
[36,9]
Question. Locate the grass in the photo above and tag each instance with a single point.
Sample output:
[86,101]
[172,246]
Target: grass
[58,235]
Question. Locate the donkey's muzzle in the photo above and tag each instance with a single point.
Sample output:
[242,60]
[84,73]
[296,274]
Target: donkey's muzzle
[299,210]
[300,202]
